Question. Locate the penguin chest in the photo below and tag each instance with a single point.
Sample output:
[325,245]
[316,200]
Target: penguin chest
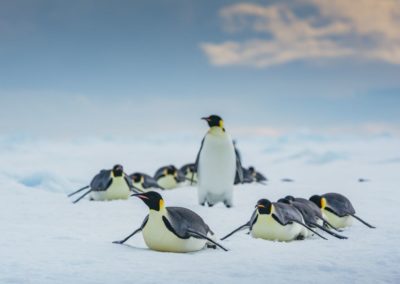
[167,182]
[157,237]
[267,228]
[118,189]
[217,164]
[338,222]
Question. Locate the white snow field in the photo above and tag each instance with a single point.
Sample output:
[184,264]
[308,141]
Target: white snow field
[47,239]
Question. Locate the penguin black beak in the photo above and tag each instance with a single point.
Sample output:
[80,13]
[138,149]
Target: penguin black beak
[139,195]
[206,118]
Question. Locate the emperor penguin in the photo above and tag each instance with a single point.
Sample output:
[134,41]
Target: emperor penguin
[172,229]
[276,222]
[338,209]
[189,171]
[169,177]
[144,182]
[108,185]
[216,165]
[312,218]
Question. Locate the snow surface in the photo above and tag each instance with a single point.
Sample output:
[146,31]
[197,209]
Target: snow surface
[47,239]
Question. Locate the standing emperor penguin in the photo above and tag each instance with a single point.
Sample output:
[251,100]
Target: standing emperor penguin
[216,165]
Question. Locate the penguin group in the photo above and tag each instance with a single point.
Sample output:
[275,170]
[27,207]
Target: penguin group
[293,218]
[217,168]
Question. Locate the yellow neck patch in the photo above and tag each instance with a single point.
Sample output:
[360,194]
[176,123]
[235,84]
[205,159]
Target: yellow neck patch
[161,203]
[221,123]
[323,203]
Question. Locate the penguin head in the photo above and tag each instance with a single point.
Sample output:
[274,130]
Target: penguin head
[136,177]
[170,170]
[152,199]
[264,206]
[118,171]
[319,201]
[289,197]
[214,121]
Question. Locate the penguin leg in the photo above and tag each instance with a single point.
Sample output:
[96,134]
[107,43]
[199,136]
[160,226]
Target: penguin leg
[362,221]
[79,190]
[201,236]
[82,196]
[329,232]
[307,227]
[247,225]
[128,237]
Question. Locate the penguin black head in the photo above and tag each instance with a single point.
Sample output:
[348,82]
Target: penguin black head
[319,201]
[214,120]
[136,177]
[264,206]
[170,170]
[118,170]
[152,199]
[290,198]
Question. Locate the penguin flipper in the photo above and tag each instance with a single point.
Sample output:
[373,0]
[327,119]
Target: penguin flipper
[239,168]
[134,233]
[362,221]
[308,228]
[247,225]
[79,190]
[198,235]
[196,164]
[329,232]
[150,182]
[101,181]
[86,193]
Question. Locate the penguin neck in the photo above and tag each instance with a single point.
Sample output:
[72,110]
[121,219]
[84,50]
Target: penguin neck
[158,214]
[216,130]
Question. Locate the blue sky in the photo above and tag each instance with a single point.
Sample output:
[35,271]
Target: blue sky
[98,67]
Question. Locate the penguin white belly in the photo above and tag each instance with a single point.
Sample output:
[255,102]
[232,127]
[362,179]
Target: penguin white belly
[158,237]
[217,166]
[167,182]
[338,222]
[118,190]
[267,228]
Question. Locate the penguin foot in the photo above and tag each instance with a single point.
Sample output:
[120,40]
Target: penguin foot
[300,237]
[202,203]
[210,204]
[227,204]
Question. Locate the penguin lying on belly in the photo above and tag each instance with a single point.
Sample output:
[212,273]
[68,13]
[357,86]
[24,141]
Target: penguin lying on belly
[172,229]
[276,222]
[338,209]
[108,185]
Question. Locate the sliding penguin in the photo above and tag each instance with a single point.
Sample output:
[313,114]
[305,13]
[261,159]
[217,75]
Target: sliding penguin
[169,177]
[189,172]
[313,218]
[108,185]
[338,209]
[276,222]
[143,182]
[172,229]
[216,165]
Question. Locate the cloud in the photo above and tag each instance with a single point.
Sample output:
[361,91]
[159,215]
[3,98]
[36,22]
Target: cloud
[364,29]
